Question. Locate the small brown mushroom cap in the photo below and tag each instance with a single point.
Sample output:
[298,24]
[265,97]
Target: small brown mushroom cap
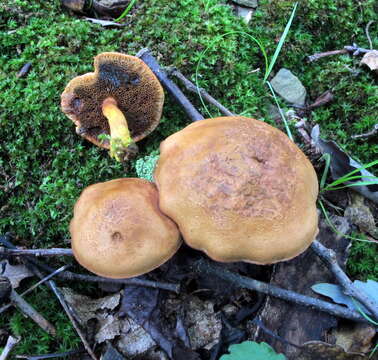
[239,189]
[129,81]
[118,230]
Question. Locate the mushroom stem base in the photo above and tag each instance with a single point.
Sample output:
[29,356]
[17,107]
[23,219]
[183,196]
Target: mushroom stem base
[121,143]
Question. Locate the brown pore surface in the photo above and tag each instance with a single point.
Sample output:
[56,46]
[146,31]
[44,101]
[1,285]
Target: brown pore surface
[118,230]
[239,189]
[129,81]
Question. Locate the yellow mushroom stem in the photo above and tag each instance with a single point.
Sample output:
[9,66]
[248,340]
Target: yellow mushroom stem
[120,138]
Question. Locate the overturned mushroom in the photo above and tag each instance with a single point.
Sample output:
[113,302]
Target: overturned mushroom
[118,230]
[239,190]
[122,99]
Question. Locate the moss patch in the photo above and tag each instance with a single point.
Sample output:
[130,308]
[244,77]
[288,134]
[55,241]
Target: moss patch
[44,165]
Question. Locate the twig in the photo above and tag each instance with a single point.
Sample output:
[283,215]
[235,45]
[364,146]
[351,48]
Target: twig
[206,267]
[24,70]
[29,311]
[32,264]
[170,86]
[11,343]
[48,277]
[368,35]
[67,275]
[367,135]
[36,252]
[329,257]
[193,88]
[318,56]
[48,356]
[354,49]
[69,313]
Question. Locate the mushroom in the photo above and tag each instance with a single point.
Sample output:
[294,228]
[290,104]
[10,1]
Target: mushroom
[118,230]
[239,190]
[122,98]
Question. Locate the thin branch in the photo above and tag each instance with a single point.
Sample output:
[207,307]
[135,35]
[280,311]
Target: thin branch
[33,265]
[30,312]
[69,313]
[67,275]
[48,356]
[353,49]
[205,267]
[368,34]
[11,343]
[48,277]
[35,252]
[170,86]
[194,89]
[367,135]
[318,56]
[329,257]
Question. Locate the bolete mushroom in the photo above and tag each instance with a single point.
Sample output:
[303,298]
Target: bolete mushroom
[122,99]
[239,189]
[118,230]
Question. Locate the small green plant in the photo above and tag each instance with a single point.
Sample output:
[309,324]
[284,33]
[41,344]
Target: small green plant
[268,65]
[249,350]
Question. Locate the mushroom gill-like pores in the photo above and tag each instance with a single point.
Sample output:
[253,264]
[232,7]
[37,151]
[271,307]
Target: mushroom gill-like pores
[239,189]
[122,99]
[118,230]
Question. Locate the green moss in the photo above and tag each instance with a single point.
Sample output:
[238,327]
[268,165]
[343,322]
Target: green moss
[44,165]
[34,340]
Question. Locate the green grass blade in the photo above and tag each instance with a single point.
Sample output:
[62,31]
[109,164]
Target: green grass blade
[359,183]
[362,312]
[127,10]
[334,229]
[347,176]
[280,43]
[289,134]
[218,38]
[327,159]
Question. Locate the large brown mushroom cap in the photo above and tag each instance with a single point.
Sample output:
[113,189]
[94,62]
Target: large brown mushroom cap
[239,189]
[118,230]
[129,81]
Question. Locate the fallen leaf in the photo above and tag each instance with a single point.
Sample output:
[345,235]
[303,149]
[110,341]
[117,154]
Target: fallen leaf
[15,273]
[248,350]
[371,60]
[134,340]
[355,337]
[341,164]
[318,350]
[111,354]
[109,327]
[204,325]
[370,288]
[86,307]
[360,214]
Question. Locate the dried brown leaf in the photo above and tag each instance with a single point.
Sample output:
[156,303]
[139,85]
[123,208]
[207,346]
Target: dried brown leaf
[355,337]
[86,308]
[371,59]
[318,350]
[16,273]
